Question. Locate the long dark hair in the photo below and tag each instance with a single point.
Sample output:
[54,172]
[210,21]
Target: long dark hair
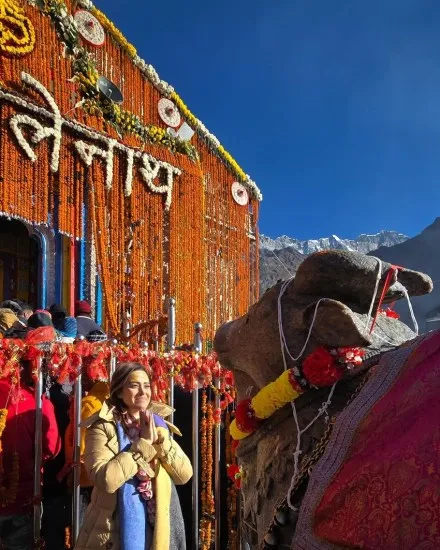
[120,376]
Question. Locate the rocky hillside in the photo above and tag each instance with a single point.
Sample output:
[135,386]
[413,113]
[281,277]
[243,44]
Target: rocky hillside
[280,257]
[422,254]
[278,264]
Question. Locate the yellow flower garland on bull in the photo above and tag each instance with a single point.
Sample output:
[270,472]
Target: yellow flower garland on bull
[323,367]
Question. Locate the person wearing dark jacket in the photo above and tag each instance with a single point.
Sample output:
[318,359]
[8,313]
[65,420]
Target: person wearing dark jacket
[84,320]
[59,314]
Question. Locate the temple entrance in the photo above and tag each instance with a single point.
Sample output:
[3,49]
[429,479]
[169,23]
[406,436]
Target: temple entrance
[19,263]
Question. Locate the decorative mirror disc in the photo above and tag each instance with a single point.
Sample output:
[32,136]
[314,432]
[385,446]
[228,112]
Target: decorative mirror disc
[89,28]
[168,112]
[240,193]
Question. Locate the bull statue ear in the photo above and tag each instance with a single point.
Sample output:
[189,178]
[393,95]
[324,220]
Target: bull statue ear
[335,325]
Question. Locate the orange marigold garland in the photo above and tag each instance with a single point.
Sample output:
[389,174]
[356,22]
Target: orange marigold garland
[232,497]
[207,497]
[67,538]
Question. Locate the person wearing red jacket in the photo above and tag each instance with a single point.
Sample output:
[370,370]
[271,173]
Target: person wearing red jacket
[17,440]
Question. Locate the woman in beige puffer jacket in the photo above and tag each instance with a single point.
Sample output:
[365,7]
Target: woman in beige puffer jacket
[154,453]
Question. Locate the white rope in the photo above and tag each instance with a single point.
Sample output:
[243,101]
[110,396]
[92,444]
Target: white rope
[283,342]
[323,410]
[413,317]
[378,276]
[283,264]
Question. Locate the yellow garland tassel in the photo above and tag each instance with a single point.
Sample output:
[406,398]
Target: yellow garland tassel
[3,416]
[235,432]
[268,400]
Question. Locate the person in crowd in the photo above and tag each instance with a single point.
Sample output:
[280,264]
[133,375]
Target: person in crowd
[7,319]
[20,327]
[91,403]
[59,314]
[13,305]
[41,318]
[57,509]
[18,453]
[69,330]
[57,502]
[83,314]
[134,465]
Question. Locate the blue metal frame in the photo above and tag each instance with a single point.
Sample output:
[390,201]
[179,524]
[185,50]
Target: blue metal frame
[99,303]
[42,294]
[82,257]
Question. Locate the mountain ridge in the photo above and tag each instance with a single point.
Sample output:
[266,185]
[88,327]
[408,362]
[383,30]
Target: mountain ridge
[418,252]
[362,243]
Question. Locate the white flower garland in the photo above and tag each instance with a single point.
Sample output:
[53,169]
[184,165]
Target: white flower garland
[22,120]
[150,171]
[87,151]
[41,132]
[129,174]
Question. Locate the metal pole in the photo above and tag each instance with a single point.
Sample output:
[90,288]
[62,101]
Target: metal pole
[170,345]
[76,459]
[38,451]
[217,481]
[195,443]
[43,295]
[112,365]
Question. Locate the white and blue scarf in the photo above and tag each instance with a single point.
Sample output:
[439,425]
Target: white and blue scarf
[132,508]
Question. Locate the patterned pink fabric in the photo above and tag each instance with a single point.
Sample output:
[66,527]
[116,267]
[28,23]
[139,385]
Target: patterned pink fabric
[387,492]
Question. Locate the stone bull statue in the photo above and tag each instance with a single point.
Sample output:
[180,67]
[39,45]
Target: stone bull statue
[356,465]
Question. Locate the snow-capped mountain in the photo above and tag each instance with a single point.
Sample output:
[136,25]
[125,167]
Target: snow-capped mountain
[363,243]
[280,258]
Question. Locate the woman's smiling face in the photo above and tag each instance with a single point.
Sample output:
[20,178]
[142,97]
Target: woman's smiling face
[136,393]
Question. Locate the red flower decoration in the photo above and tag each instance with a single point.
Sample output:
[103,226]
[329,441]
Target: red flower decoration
[245,417]
[390,313]
[40,335]
[232,470]
[321,368]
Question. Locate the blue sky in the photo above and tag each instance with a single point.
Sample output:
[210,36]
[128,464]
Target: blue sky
[332,107]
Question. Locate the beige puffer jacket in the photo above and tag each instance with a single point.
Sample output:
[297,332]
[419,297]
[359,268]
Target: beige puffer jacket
[109,469]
